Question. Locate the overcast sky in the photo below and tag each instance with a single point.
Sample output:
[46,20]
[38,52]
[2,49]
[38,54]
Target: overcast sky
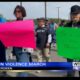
[37,9]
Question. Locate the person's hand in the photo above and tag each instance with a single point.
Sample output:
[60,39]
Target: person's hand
[47,45]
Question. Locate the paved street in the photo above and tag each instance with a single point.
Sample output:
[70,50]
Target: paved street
[44,73]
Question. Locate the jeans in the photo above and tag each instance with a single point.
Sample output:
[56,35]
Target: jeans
[2,52]
[54,37]
[30,57]
[22,57]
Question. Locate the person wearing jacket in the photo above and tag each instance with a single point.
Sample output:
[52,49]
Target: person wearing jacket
[2,50]
[2,47]
[43,40]
[22,54]
[74,22]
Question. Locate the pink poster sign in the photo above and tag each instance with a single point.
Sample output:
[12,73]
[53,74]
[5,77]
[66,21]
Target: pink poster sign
[18,34]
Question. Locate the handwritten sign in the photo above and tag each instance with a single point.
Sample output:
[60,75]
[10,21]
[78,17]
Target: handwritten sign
[68,42]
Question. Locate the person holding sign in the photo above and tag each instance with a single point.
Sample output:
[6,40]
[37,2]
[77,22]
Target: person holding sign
[2,47]
[22,55]
[2,50]
[75,22]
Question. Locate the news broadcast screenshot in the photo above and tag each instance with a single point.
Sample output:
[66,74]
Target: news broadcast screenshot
[39,39]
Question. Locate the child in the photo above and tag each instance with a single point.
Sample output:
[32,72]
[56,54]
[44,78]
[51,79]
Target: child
[43,40]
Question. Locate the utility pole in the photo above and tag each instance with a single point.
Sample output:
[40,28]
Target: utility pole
[58,13]
[45,9]
[45,5]
[20,3]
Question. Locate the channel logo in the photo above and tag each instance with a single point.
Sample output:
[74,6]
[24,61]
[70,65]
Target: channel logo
[76,66]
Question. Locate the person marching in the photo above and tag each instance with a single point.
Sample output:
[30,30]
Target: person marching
[22,54]
[74,22]
[43,40]
[52,27]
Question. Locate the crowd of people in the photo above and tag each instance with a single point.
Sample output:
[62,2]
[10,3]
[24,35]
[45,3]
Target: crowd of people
[45,34]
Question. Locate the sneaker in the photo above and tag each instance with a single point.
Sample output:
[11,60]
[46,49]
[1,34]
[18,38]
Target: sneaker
[38,71]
